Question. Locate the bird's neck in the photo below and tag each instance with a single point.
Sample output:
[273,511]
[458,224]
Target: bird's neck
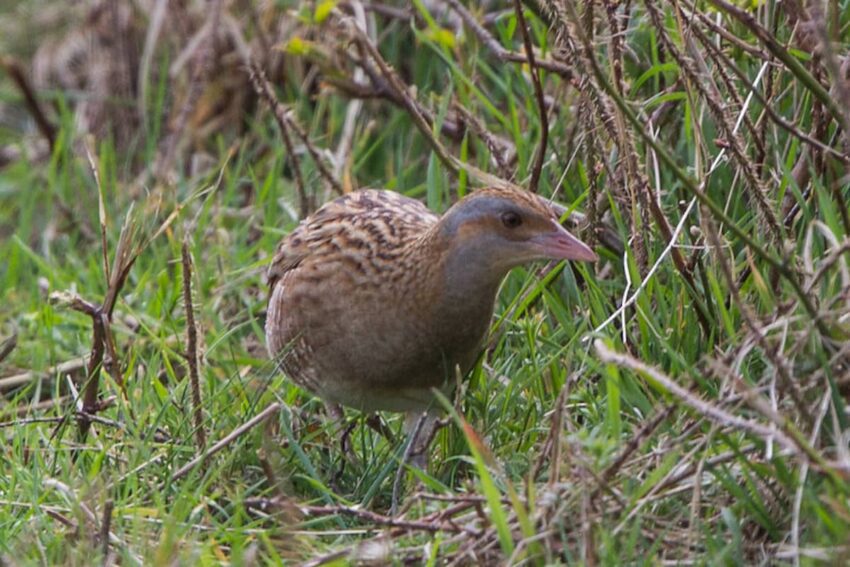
[463,277]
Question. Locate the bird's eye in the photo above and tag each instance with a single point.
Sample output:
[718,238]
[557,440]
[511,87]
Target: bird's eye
[511,219]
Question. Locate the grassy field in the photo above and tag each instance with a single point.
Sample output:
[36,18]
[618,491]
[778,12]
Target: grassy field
[682,401]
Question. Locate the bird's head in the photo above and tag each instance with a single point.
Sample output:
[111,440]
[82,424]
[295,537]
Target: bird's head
[503,228]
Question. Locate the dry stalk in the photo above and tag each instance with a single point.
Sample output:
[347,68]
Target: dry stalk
[18,76]
[538,93]
[723,60]
[781,365]
[192,346]
[643,200]
[264,89]
[761,151]
[502,151]
[6,348]
[733,141]
[402,91]
[314,154]
[103,346]
[779,51]
[103,353]
[693,14]
[202,63]
[492,44]
[583,53]
[105,527]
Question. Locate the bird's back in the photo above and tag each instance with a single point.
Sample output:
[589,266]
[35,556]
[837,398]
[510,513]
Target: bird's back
[370,227]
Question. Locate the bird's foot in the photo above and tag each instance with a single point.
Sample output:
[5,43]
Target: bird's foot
[348,455]
[420,428]
[377,424]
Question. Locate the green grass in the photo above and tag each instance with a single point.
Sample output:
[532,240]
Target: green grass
[556,462]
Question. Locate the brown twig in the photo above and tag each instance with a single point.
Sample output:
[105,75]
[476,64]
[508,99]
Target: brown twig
[485,37]
[16,73]
[264,89]
[314,153]
[192,346]
[450,127]
[380,520]
[538,92]
[503,151]
[401,90]
[103,346]
[6,348]
[105,527]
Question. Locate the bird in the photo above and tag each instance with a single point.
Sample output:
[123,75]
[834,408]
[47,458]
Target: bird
[375,300]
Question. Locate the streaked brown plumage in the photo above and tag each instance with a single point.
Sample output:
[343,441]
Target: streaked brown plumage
[375,299]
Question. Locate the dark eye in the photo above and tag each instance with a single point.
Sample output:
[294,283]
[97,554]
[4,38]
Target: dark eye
[511,219]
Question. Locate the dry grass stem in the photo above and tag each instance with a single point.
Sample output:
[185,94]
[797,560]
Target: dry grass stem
[192,358]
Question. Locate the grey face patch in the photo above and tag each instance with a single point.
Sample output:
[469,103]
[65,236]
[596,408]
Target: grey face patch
[477,208]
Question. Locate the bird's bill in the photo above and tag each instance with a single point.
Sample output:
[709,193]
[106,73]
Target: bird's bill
[559,244]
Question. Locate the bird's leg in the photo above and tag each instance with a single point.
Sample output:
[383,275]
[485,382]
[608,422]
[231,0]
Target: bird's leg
[337,417]
[377,424]
[436,425]
[347,453]
[420,429]
[345,440]
[335,412]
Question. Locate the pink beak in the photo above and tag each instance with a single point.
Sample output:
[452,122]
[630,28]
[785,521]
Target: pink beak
[561,245]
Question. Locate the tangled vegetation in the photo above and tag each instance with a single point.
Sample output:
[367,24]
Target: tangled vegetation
[681,401]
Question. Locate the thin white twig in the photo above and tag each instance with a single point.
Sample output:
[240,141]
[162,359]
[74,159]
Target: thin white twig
[804,471]
[627,303]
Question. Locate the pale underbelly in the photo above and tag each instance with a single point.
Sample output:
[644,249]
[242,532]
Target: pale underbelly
[379,399]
